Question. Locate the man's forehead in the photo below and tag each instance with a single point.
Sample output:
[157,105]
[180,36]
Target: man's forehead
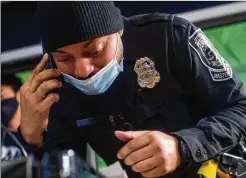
[84,44]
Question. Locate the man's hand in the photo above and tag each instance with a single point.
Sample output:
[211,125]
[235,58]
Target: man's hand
[151,153]
[34,106]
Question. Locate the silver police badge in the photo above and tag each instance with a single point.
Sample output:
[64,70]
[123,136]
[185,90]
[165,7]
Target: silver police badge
[148,76]
[218,68]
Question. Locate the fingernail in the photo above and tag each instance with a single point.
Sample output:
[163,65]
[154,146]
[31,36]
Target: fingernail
[118,156]
[57,99]
[56,96]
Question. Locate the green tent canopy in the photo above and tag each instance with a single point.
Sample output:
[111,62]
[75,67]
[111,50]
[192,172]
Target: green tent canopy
[230,41]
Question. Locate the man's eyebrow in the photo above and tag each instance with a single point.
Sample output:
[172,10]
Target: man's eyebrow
[89,43]
[60,51]
[85,45]
[94,41]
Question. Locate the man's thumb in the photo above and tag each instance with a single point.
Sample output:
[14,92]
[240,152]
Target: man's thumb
[129,135]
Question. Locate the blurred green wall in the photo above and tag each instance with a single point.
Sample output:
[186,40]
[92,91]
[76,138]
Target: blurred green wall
[230,41]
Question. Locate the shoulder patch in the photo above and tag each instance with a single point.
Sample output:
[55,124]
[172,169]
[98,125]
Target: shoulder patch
[218,68]
[148,18]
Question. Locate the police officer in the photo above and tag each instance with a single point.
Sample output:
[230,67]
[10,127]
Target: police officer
[150,90]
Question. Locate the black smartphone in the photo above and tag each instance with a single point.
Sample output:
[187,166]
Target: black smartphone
[51,65]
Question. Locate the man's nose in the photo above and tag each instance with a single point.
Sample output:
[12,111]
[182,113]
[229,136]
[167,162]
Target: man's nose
[83,68]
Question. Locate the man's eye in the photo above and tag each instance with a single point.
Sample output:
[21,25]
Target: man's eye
[63,59]
[92,53]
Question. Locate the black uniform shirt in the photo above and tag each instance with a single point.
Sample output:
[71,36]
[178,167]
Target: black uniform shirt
[198,98]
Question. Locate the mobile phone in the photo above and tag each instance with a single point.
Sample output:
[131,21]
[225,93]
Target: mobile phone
[51,65]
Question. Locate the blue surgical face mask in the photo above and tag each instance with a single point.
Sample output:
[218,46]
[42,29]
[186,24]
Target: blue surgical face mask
[101,81]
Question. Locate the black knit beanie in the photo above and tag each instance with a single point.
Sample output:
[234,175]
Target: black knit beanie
[64,23]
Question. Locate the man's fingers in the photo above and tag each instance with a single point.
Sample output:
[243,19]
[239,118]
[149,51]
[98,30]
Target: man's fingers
[126,136]
[139,155]
[155,172]
[133,145]
[38,69]
[42,64]
[45,87]
[49,101]
[123,136]
[41,77]
[146,165]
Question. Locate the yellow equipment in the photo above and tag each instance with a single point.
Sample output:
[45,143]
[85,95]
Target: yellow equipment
[226,166]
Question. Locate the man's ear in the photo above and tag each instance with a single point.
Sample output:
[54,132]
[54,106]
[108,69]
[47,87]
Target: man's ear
[120,32]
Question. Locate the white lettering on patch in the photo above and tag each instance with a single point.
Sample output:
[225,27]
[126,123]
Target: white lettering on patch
[218,68]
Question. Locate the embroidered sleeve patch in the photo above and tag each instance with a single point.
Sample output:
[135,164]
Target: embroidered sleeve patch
[218,68]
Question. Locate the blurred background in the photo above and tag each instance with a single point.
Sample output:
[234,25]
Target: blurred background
[224,23]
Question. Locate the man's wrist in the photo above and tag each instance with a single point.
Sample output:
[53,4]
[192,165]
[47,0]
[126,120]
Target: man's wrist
[26,144]
[184,152]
